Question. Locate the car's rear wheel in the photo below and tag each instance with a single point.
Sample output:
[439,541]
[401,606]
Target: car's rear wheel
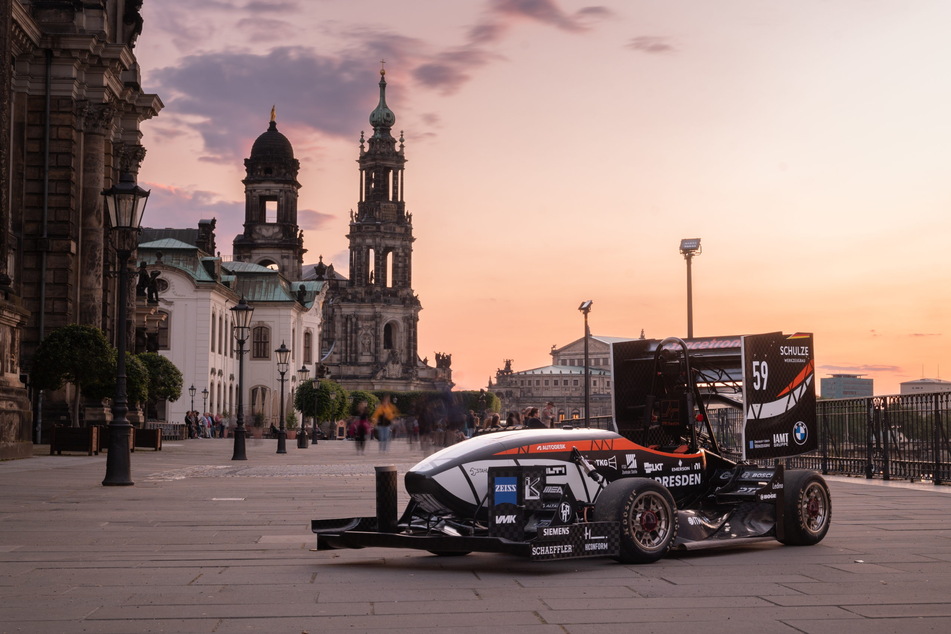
[807,509]
[647,516]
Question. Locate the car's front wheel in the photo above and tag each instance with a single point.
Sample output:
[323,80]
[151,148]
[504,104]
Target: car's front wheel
[647,516]
[808,508]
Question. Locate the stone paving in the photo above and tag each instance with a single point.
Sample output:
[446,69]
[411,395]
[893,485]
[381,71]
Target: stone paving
[205,544]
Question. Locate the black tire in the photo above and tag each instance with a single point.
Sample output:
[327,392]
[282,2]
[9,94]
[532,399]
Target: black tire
[647,515]
[807,510]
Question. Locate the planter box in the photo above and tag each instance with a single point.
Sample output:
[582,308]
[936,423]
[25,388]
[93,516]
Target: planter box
[75,439]
[148,439]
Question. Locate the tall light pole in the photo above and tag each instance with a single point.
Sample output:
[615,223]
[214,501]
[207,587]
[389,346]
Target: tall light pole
[585,308]
[282,355]
[302,376]
[241,330]
[125,204]
[204,401]
[191,393]
[690,247]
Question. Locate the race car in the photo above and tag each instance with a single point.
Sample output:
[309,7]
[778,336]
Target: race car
[580,492]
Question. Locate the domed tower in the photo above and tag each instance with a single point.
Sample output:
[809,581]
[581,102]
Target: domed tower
[271,235]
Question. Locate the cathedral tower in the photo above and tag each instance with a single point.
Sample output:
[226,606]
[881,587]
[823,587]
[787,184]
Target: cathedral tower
[370,321]
[271,235]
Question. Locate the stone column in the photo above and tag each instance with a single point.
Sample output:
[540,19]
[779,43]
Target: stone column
[96,121]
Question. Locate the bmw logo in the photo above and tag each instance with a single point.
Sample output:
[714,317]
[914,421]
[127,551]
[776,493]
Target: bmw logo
[800,433]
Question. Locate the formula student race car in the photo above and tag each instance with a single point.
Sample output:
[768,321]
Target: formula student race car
[659,482]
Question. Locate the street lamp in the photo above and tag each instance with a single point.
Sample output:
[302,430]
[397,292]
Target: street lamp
[242,331]
[690,247]
[191,393]
[282,355]
[204,401]
[585,308]
[125,204]
[302,376]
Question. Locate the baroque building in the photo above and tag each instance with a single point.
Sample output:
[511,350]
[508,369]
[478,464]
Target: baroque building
[562,382]
[369,337]
[70,110]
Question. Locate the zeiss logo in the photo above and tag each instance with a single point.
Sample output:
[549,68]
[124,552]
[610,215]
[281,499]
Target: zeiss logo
[506,491]
[800,433]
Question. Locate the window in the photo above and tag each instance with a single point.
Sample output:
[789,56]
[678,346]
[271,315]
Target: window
[575,382]
[261,342]
[163,326]
[214,322]
[389,335]
[308,343]
[270,211]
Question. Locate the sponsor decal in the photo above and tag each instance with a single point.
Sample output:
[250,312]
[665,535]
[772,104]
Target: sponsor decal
[553,490]
[555,549]
[794,351]
[554,447]
[630,461]
[556,531]
[532,487]
[651,467]
[565,512]
[694,521]
[596,546]
[505,519]
[506,491]
[781,440]
[610,462]
[683,480]
[757,475]
[474,471]
[767,496]
[556,470]
[682,467]
[800,433]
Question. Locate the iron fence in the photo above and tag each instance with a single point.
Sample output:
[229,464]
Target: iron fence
[889,437]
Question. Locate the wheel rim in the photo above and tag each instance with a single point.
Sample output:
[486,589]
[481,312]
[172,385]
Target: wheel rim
[649,519]
[814,508]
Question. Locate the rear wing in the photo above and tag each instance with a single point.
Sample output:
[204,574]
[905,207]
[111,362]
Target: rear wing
[662,389]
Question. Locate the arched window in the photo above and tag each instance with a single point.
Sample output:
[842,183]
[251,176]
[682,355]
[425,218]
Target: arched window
[261,342]
[308,346]
[389,336]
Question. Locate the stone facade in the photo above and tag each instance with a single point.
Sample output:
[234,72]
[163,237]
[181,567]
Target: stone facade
[369,339]
[562,382]
[72,106]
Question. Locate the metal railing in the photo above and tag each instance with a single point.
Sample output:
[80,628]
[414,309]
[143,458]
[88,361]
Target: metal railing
[889,437]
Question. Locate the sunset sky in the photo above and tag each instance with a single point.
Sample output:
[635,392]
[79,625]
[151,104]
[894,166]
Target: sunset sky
[558,151]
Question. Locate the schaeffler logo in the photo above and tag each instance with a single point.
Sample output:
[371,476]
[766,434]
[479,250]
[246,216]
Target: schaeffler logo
[800,433]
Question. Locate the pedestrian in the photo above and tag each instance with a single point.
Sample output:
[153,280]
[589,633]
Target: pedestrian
[513,420]
[532,421]
[383,417]
[548,414]
[361,426]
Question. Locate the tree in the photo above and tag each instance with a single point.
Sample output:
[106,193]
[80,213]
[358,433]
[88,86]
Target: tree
[360,396]
[321,399]
[165,380]
[74,354]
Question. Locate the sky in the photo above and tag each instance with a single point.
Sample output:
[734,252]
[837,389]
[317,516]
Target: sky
[558,151]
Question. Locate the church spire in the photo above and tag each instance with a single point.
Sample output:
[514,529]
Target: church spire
[382,118]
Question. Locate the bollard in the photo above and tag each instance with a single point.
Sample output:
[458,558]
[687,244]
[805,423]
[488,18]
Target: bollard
[386,499]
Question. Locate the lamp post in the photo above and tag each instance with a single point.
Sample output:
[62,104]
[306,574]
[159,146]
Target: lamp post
[125,204]
[585,308]
[282,355]
[302,376]
[204,401]
[191,393]
[690,247]
[241,330]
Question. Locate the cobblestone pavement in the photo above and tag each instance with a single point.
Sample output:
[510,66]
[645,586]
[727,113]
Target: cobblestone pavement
[205,544]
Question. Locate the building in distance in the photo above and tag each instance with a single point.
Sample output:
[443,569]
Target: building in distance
[845,386]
